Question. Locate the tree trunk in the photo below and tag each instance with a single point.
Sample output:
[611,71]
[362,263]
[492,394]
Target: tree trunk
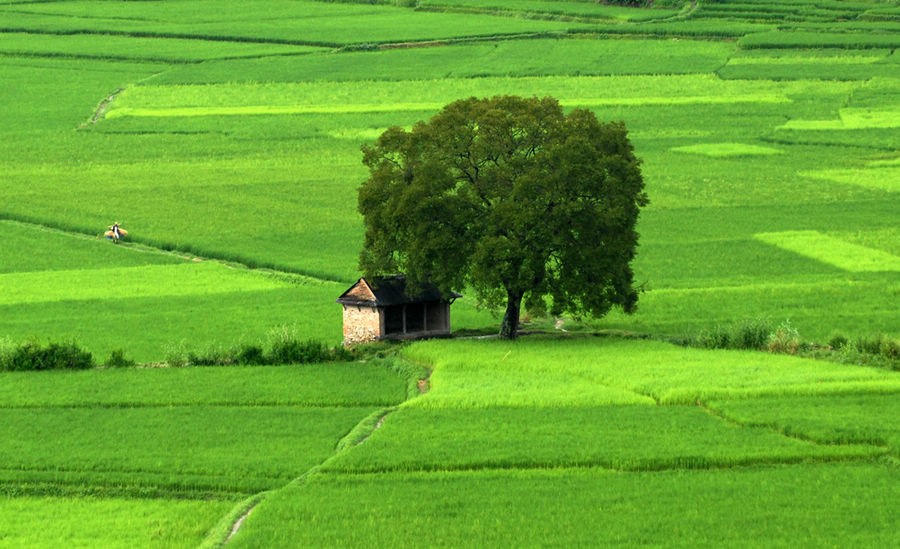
[510,327]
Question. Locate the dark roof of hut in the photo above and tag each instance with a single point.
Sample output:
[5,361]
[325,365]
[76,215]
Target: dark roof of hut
[390,290]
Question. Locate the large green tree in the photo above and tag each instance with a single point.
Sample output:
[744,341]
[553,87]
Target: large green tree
[509,197]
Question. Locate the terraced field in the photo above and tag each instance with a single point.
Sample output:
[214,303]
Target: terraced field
[225,137]
[159,456]
[586,442]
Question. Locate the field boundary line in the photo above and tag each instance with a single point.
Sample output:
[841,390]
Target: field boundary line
[235,520]
[684,463]
[228,526]
[792,434]
[103,107]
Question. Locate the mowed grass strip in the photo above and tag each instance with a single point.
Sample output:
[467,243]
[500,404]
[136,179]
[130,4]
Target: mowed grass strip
[107,522]
[626,438]
[130,282]
[844,255]
[797,506]
[228,449]
[337,384]
[581,371]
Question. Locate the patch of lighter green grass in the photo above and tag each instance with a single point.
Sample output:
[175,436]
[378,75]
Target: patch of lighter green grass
[589,371]
[256,110]
[369,134]
[851,119]
[656,100]
[887,239]
[394,96]
[106,522]
[885,163]
[727,150]
[833,251]
[130,282]
[357,108]
[883,177]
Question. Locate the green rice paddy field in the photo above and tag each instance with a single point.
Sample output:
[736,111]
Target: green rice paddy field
[225,137]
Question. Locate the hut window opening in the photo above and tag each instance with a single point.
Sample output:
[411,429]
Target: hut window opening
[393,320]
[415,317]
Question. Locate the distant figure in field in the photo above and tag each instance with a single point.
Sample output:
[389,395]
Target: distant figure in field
[115,232]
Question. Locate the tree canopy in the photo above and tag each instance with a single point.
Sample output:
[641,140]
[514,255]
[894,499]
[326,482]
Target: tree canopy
[511,198]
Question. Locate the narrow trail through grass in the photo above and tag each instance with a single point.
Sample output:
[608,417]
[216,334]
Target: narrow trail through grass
[214,539]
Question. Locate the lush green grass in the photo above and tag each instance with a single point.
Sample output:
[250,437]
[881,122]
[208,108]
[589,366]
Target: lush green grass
[107,522]
[235,449]
[826,419]
[627,438]
[533,57]
[34,249]
[87,81]
[818,306]
[430,95]
[138,48]
[339,384]
[658,124]
[834,251]
[800,506]
[207,436]
[148,329]
[576,8]
[303,22]
[261,167]
[727,150]
[793,64]
[818,39]
[131,282]
[883,178]
[580,371]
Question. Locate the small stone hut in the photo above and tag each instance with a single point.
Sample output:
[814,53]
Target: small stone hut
[382,308]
